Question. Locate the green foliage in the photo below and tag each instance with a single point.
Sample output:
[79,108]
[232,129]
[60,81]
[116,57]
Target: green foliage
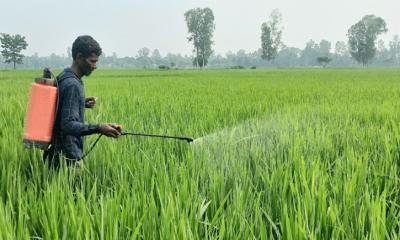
[313,51]
[12,46]
[237,67]
[271,34]
[324,61]
[200,23]
[163,67]
[362,38]
[280,154]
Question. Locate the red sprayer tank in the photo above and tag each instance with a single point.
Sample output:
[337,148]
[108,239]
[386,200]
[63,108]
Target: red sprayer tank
[41,112]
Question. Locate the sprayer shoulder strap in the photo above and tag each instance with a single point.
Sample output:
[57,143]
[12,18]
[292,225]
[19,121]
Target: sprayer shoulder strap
[58,78]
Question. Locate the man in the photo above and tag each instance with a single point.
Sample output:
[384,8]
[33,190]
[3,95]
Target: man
[69,127]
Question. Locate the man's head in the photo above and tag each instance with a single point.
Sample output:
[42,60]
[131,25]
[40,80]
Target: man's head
[85,53]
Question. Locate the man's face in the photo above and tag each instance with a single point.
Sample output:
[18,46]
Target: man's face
[88,65]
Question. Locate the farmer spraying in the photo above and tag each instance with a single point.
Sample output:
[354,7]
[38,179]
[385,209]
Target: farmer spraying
[55,114]
[69,127]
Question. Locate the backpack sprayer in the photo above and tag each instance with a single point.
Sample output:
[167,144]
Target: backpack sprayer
[40,117]
[41,113]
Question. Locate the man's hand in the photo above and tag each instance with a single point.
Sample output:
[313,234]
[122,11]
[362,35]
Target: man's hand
[110,130]
[90,102]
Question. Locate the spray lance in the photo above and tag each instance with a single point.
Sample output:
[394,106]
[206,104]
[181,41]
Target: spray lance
[42,109]
[123,133]
[187,139]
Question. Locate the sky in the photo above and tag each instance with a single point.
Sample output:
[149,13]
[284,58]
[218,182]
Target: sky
[125,26]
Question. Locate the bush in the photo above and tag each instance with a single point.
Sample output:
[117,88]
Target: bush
[163,67]
[237,67]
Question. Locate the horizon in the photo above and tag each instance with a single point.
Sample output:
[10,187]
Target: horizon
[108,23]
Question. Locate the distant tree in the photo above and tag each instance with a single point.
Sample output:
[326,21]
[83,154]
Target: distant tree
[200,23]
[341,56]
[341,49]
[12,46]
[325,48]
[382,56]
[218,60]
[143,57]
[288,57]
[324,61]
[362,37]
[143,52]
[271,34]
[242,59]
[394,49]
[163,67]
[69,52]
[156,57]
[178,60]
[310,53]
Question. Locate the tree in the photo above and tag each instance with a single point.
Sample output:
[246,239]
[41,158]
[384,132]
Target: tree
[325,48]
[69,53]
[310,53]
[288,56]
[382,56]
[271,34]
[362,37]
[177,59]
[394,49]
[144,52]
[324,61]
[12,46]
[341,49]
[143,57]
[341,56]
[200,23]
[156,57]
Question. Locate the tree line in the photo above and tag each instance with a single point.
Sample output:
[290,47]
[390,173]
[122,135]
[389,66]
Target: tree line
[362,47]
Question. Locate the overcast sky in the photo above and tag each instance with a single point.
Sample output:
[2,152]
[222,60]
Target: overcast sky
[125,26]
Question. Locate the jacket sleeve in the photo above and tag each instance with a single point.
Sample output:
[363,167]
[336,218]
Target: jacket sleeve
[70,120]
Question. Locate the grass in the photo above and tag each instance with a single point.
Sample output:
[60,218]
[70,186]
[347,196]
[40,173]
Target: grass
[283,154]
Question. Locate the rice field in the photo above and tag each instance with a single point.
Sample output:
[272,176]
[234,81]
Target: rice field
[279,154]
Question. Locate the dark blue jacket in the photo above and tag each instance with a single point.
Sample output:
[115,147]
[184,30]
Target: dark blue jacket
[69,127]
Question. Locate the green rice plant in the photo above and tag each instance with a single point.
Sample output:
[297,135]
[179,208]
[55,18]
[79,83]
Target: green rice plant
[279,154]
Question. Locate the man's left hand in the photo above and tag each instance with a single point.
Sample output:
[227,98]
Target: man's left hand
[90,102]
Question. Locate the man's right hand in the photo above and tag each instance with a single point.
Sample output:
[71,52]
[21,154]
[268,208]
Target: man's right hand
[110,130]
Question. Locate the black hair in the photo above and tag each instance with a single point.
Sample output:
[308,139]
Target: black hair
[86,45]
